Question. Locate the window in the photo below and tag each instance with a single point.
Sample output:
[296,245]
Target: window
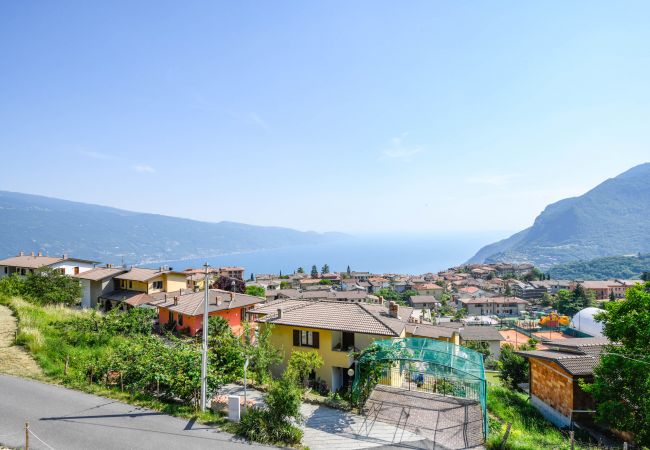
[6,269]
[303,338]
[180,319]
[130,284]
[76,270]
[157,284]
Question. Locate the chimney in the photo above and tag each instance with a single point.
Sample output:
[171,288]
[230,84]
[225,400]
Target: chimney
[65,256]
[22,253]
[279,313]
[175,301]
[219,301]
[32,254]
[232,296]
[393,309]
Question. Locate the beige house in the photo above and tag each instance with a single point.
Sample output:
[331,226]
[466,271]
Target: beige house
[139,286]
[493,306]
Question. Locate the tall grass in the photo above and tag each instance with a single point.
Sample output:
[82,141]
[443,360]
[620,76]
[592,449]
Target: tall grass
[40,331]
[529,431]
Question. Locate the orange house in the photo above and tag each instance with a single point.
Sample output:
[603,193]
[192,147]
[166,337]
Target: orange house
[186,311]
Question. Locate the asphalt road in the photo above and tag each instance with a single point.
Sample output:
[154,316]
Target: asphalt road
[67,419]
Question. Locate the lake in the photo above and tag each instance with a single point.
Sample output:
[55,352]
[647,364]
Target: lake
[413,254]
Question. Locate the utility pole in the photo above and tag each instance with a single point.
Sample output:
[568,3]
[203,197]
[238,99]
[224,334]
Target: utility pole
[204,349]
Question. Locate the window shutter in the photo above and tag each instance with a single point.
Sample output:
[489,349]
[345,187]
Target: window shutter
[296,338]
[316,339]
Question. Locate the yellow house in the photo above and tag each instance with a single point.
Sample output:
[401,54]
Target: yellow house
[151,281]
[138,285]
[335,330]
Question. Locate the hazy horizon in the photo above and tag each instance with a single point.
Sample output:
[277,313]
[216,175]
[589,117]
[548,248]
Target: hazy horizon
[365,117]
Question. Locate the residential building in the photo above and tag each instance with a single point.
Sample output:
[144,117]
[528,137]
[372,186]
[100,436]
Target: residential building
[138,286]
[487,334]
[23,264]
[184,312]
[429,289]
[95,283]
[495,306]
[555,375]
[424,301]
[333,329]
[528,290]
[232,272]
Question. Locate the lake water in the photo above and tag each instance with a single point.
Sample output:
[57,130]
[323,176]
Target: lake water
[379,254]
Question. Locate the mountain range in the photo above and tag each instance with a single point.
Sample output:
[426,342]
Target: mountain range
[56,227]
[611,219]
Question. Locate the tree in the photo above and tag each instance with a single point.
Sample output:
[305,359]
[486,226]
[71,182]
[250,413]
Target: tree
[262,353]
[257,291]
[569,303]
[314,271]
[612,297]
[325,282]
[300,270]
[480,346]
[252,278]
[621,386]
[325,269]
[301,364]
[513,369]
[49,286]
[547,299]
[645,276]
[508,291]
[285,285]
[229,284]
[349,271]
[226,351]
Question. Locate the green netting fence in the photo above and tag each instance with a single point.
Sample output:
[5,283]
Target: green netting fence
[423,364]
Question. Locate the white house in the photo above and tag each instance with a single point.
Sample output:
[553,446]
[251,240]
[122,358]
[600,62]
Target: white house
[95,283]
[24,264]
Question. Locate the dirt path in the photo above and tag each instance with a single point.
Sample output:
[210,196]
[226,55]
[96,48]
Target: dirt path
[14,360]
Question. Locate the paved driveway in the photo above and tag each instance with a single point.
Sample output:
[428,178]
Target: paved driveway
[67,419]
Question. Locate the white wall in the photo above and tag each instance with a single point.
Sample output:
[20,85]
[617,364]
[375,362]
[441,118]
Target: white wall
[69,266]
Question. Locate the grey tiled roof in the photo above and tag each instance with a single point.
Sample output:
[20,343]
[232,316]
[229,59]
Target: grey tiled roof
[480,333]
[99,273]
[340,316]
[573,363]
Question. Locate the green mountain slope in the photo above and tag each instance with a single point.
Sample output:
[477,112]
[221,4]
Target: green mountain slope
[35,223]
[610,267]
[611,219]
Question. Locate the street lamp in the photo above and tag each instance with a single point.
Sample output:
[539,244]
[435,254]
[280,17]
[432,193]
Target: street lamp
[204,347]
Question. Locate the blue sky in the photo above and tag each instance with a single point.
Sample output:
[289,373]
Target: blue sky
[359,116]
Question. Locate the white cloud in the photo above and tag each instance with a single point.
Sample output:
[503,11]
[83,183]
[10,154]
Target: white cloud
[94,155]
[399,151]
[143,168]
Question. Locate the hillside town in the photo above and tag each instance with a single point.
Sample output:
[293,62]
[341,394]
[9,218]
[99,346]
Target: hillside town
[463,328]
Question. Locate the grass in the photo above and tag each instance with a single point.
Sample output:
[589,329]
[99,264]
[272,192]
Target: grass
[39,333]
[529,431]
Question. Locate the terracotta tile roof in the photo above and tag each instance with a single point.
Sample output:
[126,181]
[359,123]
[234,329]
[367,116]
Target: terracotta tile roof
[428,286]
[192,304]
[30,262]
[133,298]
[142,274]
[339,316]
[99,273]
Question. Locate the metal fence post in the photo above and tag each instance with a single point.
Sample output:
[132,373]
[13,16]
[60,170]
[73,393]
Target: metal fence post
[26,435]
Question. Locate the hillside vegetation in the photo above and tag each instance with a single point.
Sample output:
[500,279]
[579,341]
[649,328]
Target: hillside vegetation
[35,223]
[619,267]
[611,219]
